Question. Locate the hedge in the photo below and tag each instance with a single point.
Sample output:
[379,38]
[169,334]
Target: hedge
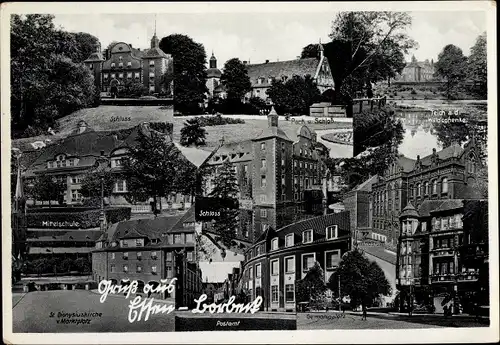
[86,219]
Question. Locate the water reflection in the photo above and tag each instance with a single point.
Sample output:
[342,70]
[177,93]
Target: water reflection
[420,136]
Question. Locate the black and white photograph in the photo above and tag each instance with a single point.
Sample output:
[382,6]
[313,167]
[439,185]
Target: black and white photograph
[177,170]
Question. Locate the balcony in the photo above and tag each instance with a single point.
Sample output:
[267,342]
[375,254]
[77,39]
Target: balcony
[468,276]
[443,278]
[443,251]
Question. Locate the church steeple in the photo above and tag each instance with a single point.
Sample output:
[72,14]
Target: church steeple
[155,42]
[213,61]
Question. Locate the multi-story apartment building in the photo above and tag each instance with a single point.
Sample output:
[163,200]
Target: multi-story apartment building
[451,173]
[281,257]
[280,180]
[262,75]
[122,63]
[148,250]
[429,266]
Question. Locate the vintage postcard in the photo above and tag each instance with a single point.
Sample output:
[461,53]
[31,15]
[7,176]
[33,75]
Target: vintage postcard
[249,172]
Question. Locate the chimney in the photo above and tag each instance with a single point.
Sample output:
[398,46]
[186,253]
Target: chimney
[267,61]
[272,118]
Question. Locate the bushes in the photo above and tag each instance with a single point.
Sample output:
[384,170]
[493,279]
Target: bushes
[57,265]
[162,127]
[83,220]
[218,120]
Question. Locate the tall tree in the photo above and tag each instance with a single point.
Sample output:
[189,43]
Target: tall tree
[189,71]
[235,79]
[226,187]
[477,68]
[48,189]
[452,67]
[312,286]
[45,83]
[95,182]
[369,46]
[360,279]
[193,133]
[294,96]
[155,167]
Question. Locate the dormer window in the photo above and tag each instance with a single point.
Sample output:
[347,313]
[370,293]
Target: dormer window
[139,242]
[332,232]
[274,244]
[112,65]
[154,241]
[307,236]
[289,240]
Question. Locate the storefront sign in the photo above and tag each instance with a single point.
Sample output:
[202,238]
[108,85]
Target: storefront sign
[65,224]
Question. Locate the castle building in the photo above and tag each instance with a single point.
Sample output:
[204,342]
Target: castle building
[122,63]
[280,180]
[262,75]
[213,77]
[417,71]
[279,258]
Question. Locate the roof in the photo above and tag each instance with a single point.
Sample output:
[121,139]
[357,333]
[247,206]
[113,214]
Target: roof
[380,253]
[149,227]
[277,69]
[214,73]
[449,204]
[428,206]
[194,155]
[453,151]
[155,52]
[273,132]
[409,211]
[406,163]
[319,224]
[74,236]
[95,57]
[367,185]
[59,250]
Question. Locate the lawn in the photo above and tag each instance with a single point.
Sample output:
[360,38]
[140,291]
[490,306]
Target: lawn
[103,118]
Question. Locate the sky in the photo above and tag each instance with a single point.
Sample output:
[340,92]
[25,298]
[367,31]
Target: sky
[257,37]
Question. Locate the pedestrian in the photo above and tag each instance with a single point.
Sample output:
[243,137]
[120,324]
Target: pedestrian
[364,312]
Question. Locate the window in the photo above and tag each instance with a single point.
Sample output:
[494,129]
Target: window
[289,240]
[136,75]
[426,188]
[275,267]
[120,64]
[262,146]
[153,269]
[258,270]
[307,236]
[112,65]
[139,242]
[308,262]
[154,255]
[129,64]
[332,232]
[76,179]
[139,255]
[257,251]
[189,238]
[125,254]
[419,189]
[289,293]
[113,76]
[424,226]
[444,186]
[170,271]
[274,294]
[120,75]
[263,163]
[263,198]
[263,213]
[129,75]
[178,238]
[151,62]
[125,268]
[139,268]
[274,244]
[105,75]
[112,256]
[121,186]
[190,256]
[151,88]
[151,74]
[434,187]
[332,258]
[250,272]
[290,264]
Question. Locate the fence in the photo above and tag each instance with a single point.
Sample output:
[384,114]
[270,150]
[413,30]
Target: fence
[368,103]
